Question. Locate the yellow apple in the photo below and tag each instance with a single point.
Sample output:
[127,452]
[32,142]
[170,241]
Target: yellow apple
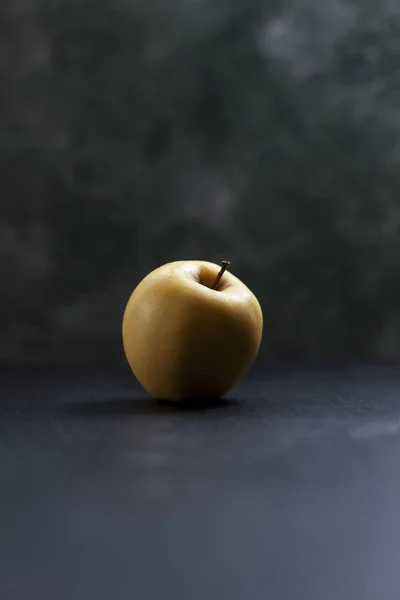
[191,329]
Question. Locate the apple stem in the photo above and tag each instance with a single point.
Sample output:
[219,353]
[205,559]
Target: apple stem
[225,264]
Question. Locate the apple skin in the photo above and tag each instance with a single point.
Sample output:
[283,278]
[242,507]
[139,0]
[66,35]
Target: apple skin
[184,340]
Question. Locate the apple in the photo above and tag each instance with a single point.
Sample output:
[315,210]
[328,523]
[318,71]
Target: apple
[191,329]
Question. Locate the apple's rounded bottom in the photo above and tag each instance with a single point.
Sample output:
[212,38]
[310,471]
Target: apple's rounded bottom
[195,393]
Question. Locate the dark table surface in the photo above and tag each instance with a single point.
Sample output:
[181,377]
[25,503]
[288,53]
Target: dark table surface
[289,490]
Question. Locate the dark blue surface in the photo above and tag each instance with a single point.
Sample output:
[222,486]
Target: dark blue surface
[290,490]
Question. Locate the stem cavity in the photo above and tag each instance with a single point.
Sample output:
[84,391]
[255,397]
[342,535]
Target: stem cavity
[225,264]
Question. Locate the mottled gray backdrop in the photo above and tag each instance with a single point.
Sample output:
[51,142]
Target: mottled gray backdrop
[137,132]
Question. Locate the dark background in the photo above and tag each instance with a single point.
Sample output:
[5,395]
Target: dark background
[133,133]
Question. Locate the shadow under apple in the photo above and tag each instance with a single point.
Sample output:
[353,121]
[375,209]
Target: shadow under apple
[130,407]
